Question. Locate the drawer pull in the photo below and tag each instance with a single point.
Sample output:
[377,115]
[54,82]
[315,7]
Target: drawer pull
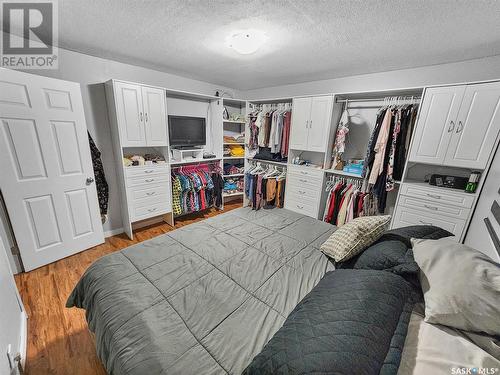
[149,179]
[431,207]
[303,172]
[151,193]
[424,222]
[149,171]
[300,207]
[302,180]
[152,209]
[434,196]
[301,192]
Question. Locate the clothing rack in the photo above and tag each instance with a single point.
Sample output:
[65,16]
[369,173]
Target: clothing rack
[357,100]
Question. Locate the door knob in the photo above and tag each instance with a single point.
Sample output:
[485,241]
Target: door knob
[89,180]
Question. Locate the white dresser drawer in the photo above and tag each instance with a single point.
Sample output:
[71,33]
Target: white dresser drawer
[150,210]
[306,189]
[438,195]
[309,174]
[405,216]
[140,192]
[302,205]
[146,170]
[434,208]
[148,180]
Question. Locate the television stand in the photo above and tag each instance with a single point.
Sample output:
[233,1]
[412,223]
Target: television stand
[187,154]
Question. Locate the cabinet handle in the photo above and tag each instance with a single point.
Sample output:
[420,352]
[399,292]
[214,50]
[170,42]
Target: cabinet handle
[307,124]
[149,179]
[301,207]
[451,127]
[310,124]
[431,207]
[424,222]
[149,171]
[301,192]
[302,180]
[460,127]
[151,193]
[152,209]
[434,196]
[140,115]
[302,172]
[146,116]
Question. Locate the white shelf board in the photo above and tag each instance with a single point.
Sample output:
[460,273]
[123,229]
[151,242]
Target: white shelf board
[233,157]
[232,194]
[234,175]
[342,173]
[234,122]
[234,143]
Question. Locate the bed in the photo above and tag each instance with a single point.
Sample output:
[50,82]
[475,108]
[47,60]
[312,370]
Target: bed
[250,292]
[205,298]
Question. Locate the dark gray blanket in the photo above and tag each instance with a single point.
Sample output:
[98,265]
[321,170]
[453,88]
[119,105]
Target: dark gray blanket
[203,299]
[352,322]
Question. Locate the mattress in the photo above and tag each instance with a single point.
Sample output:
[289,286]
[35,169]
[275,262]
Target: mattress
[205,298]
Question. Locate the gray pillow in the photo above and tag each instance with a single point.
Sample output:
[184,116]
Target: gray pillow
[461,285]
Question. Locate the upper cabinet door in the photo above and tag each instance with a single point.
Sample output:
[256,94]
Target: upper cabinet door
[436,124]
[130,114]
[155,116]
[477,127]
[319,123]
[301,113]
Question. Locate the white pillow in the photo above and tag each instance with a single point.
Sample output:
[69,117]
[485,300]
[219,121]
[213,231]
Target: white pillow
[461,285]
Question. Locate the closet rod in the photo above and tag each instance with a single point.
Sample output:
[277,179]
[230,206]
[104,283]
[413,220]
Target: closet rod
[407,97]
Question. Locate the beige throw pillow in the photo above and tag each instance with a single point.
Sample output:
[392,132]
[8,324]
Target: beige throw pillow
[461,285]
[355,236]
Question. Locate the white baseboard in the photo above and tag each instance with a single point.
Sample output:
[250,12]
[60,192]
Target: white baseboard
[113,232]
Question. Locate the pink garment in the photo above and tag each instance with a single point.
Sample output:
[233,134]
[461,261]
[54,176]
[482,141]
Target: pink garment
[383,136]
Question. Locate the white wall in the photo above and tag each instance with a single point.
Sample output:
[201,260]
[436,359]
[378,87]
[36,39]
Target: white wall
[471,70]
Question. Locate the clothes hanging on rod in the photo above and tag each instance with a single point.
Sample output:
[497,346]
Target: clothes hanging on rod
[196,188]
[388,147]
[265,185]
[269,126]
[346,201]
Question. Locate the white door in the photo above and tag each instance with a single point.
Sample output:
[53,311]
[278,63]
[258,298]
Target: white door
[301,113]
[155,116]
[46,168]
[477,127]
[130,114]
[319,123]
[12,318]
[436,124]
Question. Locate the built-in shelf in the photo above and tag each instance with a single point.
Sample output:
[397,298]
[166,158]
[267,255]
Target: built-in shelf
[234,175]
[234,122]
[233,157]
[233,194]
[234,143]
[268,161]
[342,173]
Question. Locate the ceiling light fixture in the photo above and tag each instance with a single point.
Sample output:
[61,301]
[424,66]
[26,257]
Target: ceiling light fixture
[246,42]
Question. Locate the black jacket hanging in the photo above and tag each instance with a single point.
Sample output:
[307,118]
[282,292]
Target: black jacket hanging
[100,178]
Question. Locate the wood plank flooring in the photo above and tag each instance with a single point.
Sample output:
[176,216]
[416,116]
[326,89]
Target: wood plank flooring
[59,341]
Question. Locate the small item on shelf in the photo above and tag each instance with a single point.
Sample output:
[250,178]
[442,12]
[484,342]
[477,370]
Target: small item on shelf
[473,181]
[237,151]
[227,151]
[208,155]
[137,160]
[237,117]
[354,166]
[154,158]
[230,169]
[127,162]
[225,114]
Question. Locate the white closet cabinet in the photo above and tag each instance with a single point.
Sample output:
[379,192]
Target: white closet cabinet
[477,127]
[436,123]
[458,125]
[141,115]
[311,123]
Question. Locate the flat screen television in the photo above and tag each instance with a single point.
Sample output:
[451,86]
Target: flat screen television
[187,131]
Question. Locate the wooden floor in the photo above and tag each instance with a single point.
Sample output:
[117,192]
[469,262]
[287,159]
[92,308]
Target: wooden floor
[59,341]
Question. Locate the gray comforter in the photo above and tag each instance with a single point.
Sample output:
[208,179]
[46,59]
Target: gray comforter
[203,299]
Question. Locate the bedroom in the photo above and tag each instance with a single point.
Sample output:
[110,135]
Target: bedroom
[257,187]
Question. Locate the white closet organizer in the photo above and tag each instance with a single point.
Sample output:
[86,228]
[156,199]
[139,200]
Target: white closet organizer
[139,125]
[457,132]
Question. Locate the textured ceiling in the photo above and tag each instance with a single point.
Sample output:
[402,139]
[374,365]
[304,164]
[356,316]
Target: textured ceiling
[308,40]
